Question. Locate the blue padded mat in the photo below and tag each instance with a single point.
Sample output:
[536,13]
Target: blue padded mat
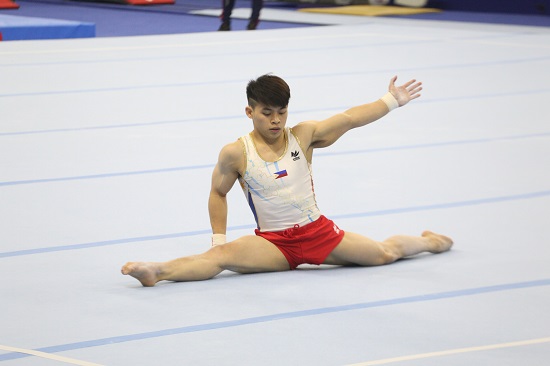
[19,28]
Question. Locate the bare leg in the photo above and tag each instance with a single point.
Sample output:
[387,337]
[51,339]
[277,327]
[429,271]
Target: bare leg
[193,268]
[246,255]
[360,250]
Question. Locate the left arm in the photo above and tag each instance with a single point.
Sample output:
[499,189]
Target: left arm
[324,133]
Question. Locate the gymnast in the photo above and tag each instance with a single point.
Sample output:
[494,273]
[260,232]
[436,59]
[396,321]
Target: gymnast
[273,166]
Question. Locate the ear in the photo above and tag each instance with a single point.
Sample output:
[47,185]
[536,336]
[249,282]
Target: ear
[248,110]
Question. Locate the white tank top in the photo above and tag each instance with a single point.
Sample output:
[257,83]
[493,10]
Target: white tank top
[279,193]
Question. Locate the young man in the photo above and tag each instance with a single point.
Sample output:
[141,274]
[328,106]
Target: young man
[273,166]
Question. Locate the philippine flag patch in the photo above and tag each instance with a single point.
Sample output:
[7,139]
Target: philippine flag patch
[281,174]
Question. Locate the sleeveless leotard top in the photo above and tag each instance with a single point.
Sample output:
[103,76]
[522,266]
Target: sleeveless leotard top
[280,193]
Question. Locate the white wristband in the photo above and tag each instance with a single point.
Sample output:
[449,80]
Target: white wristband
[390,101]
[218,239]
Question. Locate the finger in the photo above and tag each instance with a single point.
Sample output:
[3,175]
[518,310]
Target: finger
[415,86]
[409,83]
[415,90]
[392,81]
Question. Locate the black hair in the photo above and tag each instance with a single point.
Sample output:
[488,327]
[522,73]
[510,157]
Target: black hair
[269,90]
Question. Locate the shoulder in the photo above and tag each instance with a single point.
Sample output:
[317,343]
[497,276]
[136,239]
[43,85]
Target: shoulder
[231,156]
[232,149]
[304,131]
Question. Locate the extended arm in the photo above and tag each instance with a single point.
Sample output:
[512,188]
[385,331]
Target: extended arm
[326,132]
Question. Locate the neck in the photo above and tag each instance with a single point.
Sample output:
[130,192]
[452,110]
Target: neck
[270,150]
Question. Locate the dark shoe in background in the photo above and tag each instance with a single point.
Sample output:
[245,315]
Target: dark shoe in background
[226,26]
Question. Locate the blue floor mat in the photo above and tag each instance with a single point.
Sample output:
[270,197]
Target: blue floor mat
[118,20]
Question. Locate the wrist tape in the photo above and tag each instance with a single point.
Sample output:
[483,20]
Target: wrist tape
[390,101]
[218,239]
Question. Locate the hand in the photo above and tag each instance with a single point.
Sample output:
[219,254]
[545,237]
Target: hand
[406,92]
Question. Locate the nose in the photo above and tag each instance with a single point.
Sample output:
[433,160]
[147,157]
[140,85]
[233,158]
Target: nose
[275,119]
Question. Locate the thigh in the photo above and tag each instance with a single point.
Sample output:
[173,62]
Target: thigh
[250,254]
[355,249]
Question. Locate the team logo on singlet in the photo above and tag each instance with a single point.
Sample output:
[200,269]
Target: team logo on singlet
[295,155]
[280,174]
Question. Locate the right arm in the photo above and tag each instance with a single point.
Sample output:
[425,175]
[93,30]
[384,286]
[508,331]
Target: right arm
[226,172]
[316,134]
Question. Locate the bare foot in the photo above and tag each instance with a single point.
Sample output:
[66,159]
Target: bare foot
[440,243]
[144,272]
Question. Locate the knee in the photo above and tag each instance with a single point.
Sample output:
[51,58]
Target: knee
[383,256]
[216,252]
[387,257]
[220,255]
[389,254]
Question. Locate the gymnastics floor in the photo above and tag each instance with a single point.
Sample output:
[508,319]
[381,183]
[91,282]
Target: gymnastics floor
[107,146]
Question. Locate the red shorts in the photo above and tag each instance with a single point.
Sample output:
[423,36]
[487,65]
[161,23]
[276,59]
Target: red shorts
[310,244]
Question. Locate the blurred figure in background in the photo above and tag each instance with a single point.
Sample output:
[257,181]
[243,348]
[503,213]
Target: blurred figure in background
[228,6]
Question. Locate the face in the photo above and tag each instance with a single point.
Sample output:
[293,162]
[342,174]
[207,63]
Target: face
[269,122]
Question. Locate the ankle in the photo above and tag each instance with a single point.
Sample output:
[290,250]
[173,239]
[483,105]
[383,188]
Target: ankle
[225,26]
[253,24]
